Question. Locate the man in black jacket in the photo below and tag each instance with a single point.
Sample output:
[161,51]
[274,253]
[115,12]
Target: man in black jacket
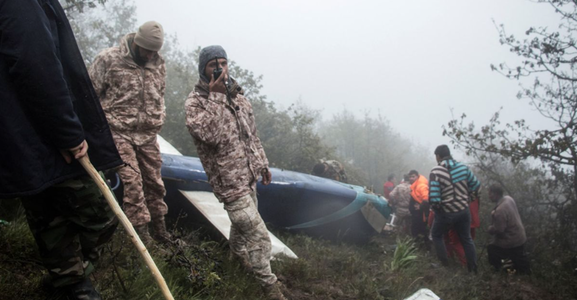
[49,114]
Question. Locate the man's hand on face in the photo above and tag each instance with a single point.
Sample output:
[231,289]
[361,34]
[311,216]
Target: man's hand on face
[78,152]
[217,85]
[266,176]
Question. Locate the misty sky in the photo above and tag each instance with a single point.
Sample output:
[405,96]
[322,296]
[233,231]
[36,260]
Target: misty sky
[410,61]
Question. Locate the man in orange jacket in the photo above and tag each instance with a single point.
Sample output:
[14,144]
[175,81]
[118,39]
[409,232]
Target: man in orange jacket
[419,206]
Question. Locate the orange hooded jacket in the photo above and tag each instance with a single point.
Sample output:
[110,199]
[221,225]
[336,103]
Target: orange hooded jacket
[420,189]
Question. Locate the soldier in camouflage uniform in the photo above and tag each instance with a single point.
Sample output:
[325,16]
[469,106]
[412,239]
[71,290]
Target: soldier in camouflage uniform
[221,122]
[48,112]
[399,199]
[130,81]
[330,169]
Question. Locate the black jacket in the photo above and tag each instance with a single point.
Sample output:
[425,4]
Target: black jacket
[47,101]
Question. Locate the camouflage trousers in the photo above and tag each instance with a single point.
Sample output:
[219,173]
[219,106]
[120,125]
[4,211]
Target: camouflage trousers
[70,222]
[143,186]
[249,237]
[403,224]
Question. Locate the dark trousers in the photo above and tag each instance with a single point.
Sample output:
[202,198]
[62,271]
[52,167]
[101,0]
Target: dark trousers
[517,255]
[461,223]
[419,229]
[70,222]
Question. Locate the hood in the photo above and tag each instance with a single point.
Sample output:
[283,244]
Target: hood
[207,54]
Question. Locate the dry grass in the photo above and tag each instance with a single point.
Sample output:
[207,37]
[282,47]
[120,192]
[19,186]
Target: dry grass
[324,270]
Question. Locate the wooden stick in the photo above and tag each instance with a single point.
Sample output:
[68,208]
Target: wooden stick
[85,162]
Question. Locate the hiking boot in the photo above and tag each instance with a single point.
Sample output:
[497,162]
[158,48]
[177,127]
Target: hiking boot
[273,291]
[159,232]
[142,231]
[83,290]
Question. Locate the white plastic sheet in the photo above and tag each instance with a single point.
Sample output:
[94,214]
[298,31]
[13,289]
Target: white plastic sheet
[423,294]
[209,206]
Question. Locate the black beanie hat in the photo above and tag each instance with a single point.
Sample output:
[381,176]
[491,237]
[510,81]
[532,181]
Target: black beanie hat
[207,54]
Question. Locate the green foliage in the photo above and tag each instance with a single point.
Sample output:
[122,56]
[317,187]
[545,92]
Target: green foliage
[405,254]
[19,261]
[548,60]
[324,270]
[369,148]
[295,138]
[80,5]
[181,76]
[102,27]
[372,150]
[289,137]
[327,270]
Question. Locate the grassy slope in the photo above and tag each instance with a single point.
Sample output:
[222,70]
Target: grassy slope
[325,270]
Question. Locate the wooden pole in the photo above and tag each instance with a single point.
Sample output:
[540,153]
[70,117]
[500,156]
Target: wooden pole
[85,162]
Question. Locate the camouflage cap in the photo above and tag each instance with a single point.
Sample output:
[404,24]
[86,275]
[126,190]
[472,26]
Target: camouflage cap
[207,54]
[150,36]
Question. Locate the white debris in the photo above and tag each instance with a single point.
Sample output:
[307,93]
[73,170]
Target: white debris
[423,294]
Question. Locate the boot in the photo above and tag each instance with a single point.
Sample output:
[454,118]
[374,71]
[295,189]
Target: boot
[83,290]
[159,232]
[273,291]
[142,231]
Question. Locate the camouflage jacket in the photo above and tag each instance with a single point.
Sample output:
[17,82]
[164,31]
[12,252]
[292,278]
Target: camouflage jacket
[400,198]
[334,170]
[227,143]
[132,96]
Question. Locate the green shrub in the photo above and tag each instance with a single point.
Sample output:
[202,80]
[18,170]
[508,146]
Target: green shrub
[405,254]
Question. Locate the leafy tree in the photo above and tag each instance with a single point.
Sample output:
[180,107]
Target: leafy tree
[80,5]
[287,135]
[181,76]
[294,144]
[372,150]
[548,58]
[103,26]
